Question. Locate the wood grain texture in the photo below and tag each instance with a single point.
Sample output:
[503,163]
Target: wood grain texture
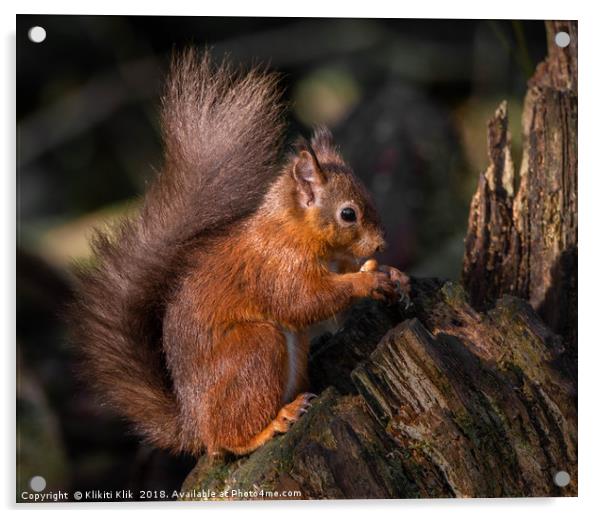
[525,243]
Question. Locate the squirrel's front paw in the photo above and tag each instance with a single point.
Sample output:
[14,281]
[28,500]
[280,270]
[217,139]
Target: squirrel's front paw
[384,287]
[385,282]
[401,279]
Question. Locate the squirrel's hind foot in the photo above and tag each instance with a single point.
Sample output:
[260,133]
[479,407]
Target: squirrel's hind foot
[287,415]
[291,413]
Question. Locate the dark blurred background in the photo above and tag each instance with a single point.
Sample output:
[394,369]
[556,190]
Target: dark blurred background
[408,101]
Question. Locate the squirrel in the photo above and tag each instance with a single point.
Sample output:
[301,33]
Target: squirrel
[191,319]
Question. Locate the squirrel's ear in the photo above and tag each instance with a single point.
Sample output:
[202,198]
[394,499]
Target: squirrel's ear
[308,176]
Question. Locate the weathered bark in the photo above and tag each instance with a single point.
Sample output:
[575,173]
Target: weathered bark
[451,402]
[485,402]
[525,244]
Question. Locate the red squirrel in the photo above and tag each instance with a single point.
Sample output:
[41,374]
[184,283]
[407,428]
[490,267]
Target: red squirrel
[191,318]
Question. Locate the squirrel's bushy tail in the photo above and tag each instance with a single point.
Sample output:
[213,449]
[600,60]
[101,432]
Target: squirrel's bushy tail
[222,132]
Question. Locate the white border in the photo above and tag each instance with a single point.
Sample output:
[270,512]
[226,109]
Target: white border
[590,364]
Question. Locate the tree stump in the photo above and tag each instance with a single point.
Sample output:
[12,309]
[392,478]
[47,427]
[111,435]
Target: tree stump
[525,243]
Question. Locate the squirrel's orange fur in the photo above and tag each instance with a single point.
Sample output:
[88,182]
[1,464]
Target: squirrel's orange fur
[192,319]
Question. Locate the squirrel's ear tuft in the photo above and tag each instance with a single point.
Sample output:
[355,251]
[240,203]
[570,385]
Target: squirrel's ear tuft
[322,140]
[308,176]
[322,144]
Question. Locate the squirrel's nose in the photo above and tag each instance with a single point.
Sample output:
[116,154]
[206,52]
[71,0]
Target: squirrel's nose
[381,245]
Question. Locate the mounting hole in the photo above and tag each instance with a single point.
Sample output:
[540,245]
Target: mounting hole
[37,34]
[37,483]
[562,39]
[562,479]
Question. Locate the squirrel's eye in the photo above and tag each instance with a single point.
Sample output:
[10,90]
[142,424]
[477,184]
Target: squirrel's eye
[348,215]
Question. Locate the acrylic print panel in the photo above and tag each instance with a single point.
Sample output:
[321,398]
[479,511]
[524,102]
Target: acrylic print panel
[237,328]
